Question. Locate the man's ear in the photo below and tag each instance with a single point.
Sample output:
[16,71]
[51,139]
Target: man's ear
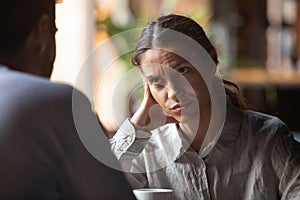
[41,33]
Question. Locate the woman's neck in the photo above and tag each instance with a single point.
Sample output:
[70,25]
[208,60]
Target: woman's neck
[196,140]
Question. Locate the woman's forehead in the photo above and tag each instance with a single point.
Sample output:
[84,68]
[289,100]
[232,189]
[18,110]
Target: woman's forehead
[158,61]
[160,56]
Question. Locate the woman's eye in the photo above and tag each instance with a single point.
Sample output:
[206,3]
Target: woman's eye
[156,81]
[183,70]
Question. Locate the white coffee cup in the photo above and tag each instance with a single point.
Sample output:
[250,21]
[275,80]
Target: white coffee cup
[153,194]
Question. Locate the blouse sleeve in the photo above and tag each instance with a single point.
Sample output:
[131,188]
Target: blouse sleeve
[286,161]
[127,145]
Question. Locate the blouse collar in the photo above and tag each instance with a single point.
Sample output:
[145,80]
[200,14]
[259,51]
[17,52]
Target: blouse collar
[172,145]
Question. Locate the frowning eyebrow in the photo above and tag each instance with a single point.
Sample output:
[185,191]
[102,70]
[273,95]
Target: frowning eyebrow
[151,77]
[178,64]
[174,66]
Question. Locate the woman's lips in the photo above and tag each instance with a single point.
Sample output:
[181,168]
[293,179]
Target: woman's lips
[176,108]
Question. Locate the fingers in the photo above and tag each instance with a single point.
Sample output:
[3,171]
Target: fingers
[150,115]
[148,98]
[146,90]
[141,117]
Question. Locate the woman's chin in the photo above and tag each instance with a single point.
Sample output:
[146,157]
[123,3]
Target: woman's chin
[171,119]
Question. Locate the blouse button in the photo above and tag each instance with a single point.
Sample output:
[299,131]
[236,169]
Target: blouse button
[129,139]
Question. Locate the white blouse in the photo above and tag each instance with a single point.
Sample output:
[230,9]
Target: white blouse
[255,157]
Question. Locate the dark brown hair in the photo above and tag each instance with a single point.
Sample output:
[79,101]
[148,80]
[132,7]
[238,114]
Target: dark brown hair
[17,18]
[190,28]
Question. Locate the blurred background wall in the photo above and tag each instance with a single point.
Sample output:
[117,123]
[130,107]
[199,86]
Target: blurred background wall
[258,42]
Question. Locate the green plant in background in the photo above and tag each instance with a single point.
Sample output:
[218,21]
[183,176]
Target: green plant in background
[138,18]
[112,29]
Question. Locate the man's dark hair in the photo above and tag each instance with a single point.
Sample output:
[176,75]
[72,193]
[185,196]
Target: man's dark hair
[17,18]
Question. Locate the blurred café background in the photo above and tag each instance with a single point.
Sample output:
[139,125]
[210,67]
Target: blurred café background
[258,42]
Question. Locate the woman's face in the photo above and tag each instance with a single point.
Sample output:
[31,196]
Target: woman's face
[175,84]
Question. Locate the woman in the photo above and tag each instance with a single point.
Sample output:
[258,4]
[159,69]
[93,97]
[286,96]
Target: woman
[182,138]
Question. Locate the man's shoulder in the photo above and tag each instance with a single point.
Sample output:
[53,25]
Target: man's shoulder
[21,91]
[27,85]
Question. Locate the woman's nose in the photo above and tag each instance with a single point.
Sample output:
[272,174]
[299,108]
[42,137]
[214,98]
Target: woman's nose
[173,92]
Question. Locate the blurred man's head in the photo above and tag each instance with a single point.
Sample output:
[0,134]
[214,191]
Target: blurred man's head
[27,35]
